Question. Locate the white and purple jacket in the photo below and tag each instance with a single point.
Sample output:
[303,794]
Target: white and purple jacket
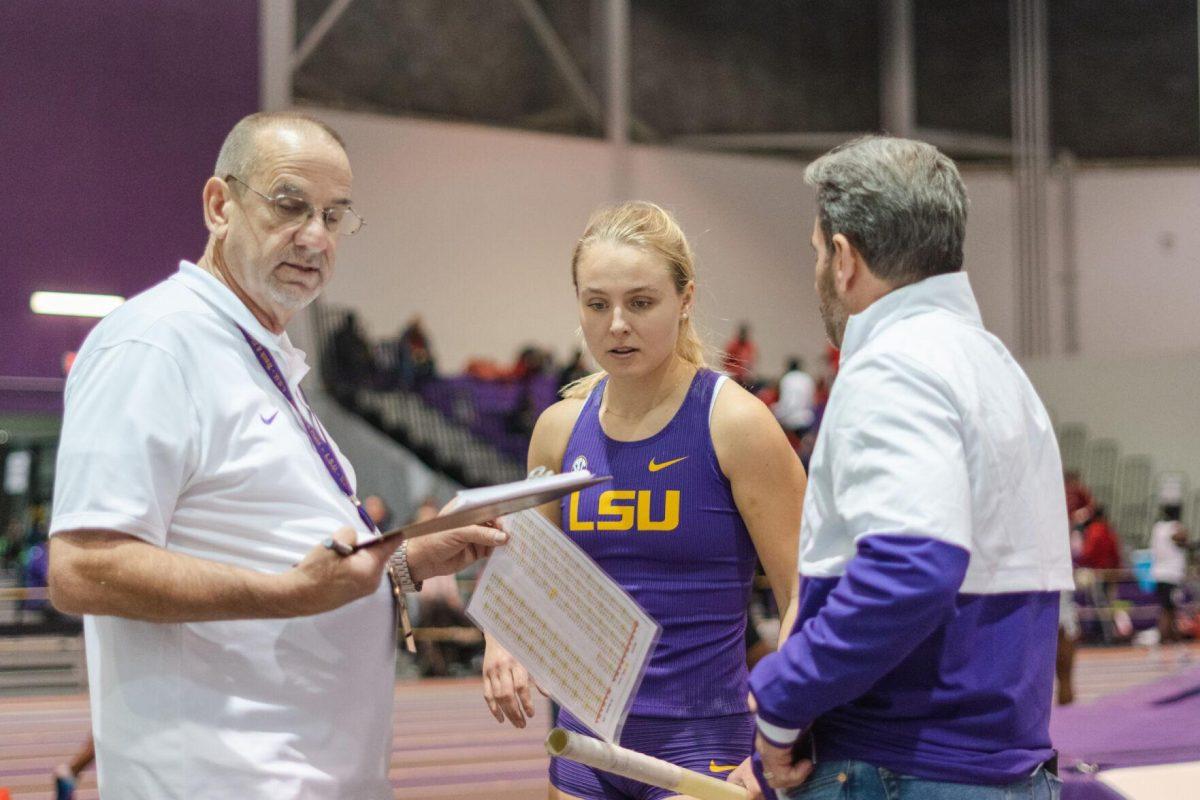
[932,553]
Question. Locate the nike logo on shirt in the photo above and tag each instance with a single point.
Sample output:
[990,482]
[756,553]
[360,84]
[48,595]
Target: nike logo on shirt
[656,467]
[713,766]
[270,419]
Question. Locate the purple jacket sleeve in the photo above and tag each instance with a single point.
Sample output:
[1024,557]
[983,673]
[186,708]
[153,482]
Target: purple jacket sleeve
[895,592]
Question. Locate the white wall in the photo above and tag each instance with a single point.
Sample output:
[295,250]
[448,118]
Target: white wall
[470,227]
[989,250]
[1139,257]
[1150,405]
[750,222]
[473,227]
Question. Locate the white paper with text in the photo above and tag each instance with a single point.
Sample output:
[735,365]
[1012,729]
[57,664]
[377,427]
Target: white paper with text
[578,633]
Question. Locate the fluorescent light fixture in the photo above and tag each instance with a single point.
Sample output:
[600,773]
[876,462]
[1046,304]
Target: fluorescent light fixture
[71,304]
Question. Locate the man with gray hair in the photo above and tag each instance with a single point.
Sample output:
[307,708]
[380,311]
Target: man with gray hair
[932,550]
[200,510]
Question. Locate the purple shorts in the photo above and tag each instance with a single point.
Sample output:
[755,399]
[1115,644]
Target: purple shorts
[713,746]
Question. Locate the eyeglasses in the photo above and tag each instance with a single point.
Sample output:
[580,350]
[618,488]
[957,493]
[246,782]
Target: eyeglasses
[289,209]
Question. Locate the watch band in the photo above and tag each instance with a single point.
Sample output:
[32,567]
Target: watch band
[399,564]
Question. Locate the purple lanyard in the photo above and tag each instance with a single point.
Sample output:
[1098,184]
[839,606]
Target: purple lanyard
[319,441]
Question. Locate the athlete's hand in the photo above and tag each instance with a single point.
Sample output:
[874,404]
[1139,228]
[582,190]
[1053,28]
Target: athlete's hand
[505,686]
[744,776]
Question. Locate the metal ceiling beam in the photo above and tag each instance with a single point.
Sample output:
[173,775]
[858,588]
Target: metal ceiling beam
[1068,167]
[897,73]
[619,74]
[819,141]
[954,143]
[620,96]
[277,32]
[560,56]
[897,105]
[314,37]
[1031,162]
[961,143]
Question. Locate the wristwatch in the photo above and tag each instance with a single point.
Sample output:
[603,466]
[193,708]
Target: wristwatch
[399,565]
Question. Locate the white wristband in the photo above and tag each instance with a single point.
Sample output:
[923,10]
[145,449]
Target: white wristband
[776,734]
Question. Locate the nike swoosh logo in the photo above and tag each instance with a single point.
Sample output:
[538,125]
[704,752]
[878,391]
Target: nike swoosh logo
[656,467]
[270,419]
[713,766]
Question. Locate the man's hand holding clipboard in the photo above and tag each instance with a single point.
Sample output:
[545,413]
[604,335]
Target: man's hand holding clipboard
[480,506]
[345,569]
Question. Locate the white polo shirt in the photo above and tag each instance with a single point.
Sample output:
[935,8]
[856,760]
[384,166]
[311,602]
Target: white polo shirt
[174,433]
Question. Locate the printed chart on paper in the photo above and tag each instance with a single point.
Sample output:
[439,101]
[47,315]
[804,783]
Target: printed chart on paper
[579,634]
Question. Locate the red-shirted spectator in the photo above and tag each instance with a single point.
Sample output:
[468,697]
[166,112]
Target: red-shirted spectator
[1101,550]
[1081,506]
[833,358]
[740,355]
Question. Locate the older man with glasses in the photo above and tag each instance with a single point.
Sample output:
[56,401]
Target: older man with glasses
[232,653]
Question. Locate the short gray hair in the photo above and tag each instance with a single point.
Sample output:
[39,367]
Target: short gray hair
[239,152]
[901,203]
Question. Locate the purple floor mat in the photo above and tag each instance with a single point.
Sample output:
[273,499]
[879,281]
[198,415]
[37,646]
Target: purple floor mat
[1158,723]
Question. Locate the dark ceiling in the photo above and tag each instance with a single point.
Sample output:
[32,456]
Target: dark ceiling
[1122,74]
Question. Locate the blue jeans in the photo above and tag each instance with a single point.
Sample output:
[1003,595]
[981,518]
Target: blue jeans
[858,780]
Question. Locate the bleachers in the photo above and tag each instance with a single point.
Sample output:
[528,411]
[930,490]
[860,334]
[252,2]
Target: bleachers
[1135,505]
[1126,485]
[1072,444]
[34,664]
[442,443]
[438,429]
[1100,469]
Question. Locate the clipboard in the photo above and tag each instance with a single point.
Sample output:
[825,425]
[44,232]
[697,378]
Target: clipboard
[475,506]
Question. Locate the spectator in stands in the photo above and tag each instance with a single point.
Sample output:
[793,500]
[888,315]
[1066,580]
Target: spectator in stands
[1101,549]
[531,362]
[832,358]
[740,356]
[378,510]
[353,365]
[794,409]
[1168,552]
[1081,506]
[413,355]
[575,369]
[35,561]
[10,542]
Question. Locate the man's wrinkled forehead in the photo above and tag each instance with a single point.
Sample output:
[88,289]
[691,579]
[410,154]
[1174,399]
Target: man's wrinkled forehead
[303,151]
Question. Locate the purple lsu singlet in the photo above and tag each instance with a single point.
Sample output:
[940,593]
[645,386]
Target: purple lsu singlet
[667,530]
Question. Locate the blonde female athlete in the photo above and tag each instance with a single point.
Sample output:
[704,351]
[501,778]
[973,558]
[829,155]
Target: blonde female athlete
[704,482]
